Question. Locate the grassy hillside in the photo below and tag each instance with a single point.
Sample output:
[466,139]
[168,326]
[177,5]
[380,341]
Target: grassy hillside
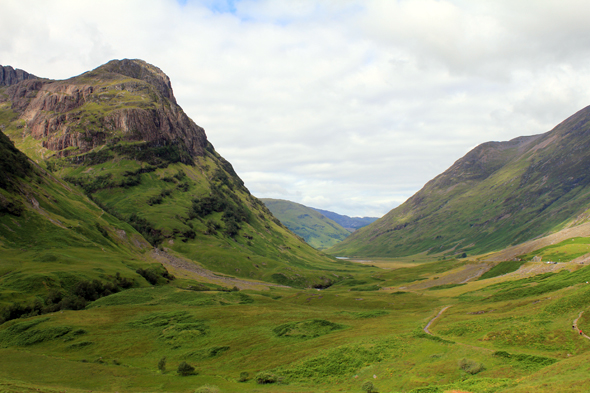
[54,240]
[499,194]
[315,228]
[117,133]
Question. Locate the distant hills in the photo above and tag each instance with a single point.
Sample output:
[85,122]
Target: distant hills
[321,229]
[315,228]
[117,134]
[349,223]
[499,194]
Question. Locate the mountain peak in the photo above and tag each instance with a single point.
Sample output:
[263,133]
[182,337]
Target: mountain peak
[10,76]
[140,69]
[121,102]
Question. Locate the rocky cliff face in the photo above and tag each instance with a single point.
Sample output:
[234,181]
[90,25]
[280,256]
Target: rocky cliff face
[10,76]
[127,100]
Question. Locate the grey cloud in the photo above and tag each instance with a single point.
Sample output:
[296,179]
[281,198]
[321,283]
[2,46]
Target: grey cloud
[345,105]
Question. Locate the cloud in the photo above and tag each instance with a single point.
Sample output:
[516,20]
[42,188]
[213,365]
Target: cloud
[346,105]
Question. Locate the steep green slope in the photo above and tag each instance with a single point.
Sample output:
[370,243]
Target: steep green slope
[54,239]
[317,230]
[118,133]
[499,194]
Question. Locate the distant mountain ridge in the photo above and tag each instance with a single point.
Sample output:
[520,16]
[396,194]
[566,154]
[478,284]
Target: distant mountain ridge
[349,223]
[315,228]
[499,194]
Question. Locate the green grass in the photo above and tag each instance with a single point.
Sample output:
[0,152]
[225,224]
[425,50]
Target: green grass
[361,322]
[308,339]
[501,269]
[306,329]
[564,251]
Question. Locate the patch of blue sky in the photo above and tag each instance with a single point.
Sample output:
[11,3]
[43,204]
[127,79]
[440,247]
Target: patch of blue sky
[217,6]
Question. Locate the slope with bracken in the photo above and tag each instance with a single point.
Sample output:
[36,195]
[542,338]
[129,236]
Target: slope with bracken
[118,133]
[499,194]
[55,243]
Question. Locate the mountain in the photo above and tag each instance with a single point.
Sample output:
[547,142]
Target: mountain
[54,239]
[10,76]
[499,194]
[349,223]
[315,228]
[118,134]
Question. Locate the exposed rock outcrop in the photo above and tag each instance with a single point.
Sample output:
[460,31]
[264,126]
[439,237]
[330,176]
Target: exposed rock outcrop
[139,69]
[126,100]
[10,76]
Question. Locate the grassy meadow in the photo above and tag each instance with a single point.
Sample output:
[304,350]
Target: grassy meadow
[496,336]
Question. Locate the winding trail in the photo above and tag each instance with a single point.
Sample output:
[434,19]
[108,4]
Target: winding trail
[434,319]
[575,325]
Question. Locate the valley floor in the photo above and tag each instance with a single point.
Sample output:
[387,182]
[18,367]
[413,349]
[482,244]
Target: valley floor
[509,333]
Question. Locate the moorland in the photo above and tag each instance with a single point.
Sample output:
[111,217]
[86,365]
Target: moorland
[134,259]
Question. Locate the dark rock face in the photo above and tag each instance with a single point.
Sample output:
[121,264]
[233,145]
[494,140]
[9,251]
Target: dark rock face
[104,104]
[10,76]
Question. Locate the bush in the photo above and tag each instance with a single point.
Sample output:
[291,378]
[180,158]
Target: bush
[243,376]
[307,329]
[153,275]
[212,227]
[180,175]
[471,366]
[147,229]
[368,387]
[162,364]
[75,299]
[185,369]
[12,207]
[265,377]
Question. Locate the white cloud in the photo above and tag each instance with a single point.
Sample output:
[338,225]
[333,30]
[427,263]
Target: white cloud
[345,105]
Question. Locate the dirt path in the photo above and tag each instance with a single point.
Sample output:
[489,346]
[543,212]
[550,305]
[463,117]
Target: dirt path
[434,319]
[191,267]
[474,347]
[575,325]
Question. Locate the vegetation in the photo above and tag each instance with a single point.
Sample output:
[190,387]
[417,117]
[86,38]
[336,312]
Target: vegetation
[185,369]
[501,269]
[316,229]
[499,194]
[89,304]
[470,366]
[13,164]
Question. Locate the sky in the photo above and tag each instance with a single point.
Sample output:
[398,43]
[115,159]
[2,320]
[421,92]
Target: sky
[345,105]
